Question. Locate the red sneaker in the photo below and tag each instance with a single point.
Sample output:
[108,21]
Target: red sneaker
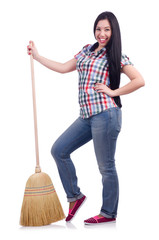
[96,219]
[75,208]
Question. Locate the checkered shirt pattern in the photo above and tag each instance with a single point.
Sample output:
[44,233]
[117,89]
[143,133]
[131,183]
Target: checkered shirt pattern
[93,68]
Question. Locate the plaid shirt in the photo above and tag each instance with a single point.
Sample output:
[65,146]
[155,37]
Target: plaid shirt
[93,68]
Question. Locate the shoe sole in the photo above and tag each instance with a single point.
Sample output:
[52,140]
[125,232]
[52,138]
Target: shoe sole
[77,211]
[114,221]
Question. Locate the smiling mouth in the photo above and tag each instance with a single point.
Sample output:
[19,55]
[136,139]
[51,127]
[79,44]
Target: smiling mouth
[102,40]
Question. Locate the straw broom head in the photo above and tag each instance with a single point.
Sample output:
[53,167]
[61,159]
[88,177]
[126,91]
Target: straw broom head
[41,205]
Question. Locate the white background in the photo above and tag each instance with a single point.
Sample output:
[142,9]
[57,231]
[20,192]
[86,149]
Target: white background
[60,29]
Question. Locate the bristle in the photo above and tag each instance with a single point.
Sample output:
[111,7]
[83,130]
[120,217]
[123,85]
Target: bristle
[39,191]
[41,205]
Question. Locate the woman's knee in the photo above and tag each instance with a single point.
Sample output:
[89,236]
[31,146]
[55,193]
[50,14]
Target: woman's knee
[107,168]
[55,152]
[59,151]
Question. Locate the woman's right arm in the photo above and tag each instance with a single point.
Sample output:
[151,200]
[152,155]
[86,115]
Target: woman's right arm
[55,66]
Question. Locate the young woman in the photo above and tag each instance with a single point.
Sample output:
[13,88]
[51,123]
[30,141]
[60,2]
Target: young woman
[99,66]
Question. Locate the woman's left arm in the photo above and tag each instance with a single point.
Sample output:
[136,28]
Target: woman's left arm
[136,82]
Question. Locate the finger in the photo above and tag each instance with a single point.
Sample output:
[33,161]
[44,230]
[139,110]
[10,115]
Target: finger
[98,84]
[29,47]
[98,87]
[99,91]
[31,43]
[29,51]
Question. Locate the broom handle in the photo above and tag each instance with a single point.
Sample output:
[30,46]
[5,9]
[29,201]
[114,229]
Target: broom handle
[37,168]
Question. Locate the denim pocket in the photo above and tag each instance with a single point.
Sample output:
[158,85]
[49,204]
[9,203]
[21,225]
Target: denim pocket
[116,121]
[119,119]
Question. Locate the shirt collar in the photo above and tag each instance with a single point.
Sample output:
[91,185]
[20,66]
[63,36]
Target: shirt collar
[94,46]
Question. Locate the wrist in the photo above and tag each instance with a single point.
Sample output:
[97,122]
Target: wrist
[115,93]
[37,57]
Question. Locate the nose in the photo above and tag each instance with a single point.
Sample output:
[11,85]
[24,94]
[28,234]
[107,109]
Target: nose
[102,33]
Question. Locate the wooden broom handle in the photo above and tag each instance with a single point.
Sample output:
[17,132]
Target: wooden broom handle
[37,168]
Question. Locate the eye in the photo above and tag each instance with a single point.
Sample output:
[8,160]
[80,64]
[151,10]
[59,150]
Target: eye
[107,29]
[97,29]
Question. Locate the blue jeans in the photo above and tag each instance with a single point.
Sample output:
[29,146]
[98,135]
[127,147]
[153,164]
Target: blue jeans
[103,128]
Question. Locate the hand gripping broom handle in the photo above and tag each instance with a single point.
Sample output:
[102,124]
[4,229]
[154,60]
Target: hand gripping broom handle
[37,168]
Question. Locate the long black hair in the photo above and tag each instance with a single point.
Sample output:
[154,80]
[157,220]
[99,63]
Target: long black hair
[113,51]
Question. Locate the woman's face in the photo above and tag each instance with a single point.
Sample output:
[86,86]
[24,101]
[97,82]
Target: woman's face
[103,33]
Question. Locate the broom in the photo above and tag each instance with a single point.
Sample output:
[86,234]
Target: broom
[41,205]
